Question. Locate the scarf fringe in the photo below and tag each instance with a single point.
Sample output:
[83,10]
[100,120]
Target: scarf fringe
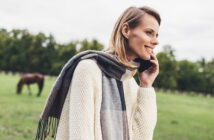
[47,128]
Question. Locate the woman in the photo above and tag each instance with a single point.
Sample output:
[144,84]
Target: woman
[102,100]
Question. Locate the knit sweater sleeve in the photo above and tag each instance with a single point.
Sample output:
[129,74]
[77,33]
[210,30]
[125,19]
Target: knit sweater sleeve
[81,111]
[144,116]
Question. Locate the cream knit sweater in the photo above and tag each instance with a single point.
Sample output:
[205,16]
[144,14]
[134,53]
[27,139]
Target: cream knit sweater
[80,118]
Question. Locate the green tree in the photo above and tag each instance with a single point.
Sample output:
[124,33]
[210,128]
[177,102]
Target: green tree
[167,69]
[209,76]
[93,45]
[190,78]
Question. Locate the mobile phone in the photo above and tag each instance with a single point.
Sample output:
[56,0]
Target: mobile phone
[144,64]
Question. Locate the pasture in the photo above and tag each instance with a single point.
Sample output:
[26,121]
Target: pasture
[180,117]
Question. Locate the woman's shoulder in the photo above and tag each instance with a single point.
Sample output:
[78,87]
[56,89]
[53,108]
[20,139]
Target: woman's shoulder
[88,66]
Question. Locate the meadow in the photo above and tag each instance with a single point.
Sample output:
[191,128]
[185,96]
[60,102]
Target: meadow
[180,117]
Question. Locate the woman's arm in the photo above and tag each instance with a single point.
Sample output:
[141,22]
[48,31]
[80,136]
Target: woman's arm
[77,119]
[144,116]
[81,111]
[145,111]
[78,115]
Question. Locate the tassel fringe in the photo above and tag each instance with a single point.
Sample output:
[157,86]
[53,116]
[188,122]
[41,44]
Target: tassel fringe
[47,128]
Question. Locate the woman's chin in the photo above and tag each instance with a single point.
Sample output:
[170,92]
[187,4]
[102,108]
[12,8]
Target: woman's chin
[146,57]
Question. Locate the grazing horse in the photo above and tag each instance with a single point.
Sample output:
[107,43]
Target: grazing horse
[31,78]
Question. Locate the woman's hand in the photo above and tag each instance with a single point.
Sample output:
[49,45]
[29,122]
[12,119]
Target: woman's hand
[148,76]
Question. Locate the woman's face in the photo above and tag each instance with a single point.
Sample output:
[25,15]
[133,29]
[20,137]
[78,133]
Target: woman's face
[143,38]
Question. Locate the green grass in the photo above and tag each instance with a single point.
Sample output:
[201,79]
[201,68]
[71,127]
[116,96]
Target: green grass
[19,114]
[180,117]
[184,117]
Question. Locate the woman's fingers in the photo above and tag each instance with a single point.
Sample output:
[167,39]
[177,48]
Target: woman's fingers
[153,55]
[155,60]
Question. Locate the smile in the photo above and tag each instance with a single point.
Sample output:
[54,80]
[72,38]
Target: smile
[149,49]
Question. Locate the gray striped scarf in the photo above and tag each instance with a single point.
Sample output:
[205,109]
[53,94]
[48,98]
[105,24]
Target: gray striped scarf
[114,124]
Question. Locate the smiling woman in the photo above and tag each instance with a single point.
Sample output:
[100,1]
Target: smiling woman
[135,36]
[142,39]
[135,33]
[96,96]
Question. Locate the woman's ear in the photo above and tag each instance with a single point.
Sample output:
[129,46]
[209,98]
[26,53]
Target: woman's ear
[125,30]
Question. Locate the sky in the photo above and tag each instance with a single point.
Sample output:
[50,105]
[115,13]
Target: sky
[187,25]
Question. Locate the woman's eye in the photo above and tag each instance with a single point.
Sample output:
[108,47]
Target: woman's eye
[148,32]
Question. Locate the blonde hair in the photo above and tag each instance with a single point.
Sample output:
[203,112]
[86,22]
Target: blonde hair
[118,44]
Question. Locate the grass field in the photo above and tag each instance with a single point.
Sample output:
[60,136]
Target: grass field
[180,117]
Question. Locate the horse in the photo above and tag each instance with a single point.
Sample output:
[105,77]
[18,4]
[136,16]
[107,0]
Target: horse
[30,78]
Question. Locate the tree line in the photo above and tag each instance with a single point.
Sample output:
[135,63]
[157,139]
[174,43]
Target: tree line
[22,51]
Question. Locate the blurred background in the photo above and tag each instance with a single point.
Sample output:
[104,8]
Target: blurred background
[41,36]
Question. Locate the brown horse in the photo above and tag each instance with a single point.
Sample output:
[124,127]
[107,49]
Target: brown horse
[31,78]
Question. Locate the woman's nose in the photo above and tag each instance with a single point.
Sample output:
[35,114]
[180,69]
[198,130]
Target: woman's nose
[155,41]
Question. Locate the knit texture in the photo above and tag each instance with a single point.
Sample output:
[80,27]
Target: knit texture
[80,118]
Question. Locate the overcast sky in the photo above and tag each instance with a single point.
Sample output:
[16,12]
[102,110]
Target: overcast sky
[187,25]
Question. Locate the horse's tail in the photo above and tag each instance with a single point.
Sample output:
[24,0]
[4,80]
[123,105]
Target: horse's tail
[19,87]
